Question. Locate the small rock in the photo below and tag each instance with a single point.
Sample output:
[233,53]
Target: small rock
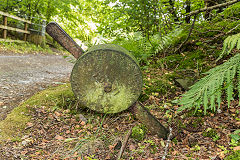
[219,111]
[82,118]
[184,83]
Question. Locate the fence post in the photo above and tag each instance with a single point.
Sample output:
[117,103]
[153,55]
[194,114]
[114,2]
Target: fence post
[25,28]
[5,24]
[43,28]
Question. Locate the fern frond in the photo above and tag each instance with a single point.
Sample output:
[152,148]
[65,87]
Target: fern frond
[229,43]
[210,88]
[238,44]
[163,42]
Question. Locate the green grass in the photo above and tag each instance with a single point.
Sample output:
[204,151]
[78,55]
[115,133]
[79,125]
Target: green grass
[24,48]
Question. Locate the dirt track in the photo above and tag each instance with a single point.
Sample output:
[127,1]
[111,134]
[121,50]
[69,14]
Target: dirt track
[23,75]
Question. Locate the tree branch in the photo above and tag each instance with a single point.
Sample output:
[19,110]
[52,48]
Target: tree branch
[190,31]
[124,143]
[213,7]
[223,34]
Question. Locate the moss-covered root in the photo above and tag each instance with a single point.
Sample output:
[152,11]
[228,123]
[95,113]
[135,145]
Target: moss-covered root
[153,125]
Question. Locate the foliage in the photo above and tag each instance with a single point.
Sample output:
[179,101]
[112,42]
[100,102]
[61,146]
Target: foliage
[232,11]
[235,138]
[23,48]
[209,89]
[138,132]
[143,48]
[234,156]
[147,17]
[229,43]
[212,133]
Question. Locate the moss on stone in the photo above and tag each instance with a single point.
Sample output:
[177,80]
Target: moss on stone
[117,100]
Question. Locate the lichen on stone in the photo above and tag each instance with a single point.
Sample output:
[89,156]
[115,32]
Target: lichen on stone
[119,99]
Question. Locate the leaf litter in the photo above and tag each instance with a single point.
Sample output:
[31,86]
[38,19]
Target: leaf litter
[84,134]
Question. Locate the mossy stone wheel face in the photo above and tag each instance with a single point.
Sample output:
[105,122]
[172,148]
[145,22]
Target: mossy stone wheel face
[106,79]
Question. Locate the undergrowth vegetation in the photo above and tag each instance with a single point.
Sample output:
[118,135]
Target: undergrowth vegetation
[28,48]
[143,48]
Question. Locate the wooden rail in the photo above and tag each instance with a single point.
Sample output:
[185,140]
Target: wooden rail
[5,27]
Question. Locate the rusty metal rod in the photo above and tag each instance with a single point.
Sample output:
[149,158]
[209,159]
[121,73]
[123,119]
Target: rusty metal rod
[58,34]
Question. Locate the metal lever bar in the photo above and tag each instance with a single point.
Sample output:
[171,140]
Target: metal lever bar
[58,34]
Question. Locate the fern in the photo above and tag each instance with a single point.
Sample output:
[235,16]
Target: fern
[210,88]
[229,43]
[163,43]
[224,78]
[143,48]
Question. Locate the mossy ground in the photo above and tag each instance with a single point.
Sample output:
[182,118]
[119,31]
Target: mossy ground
[14,124]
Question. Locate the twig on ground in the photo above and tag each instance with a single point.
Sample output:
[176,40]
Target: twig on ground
[124,143]
[168,141]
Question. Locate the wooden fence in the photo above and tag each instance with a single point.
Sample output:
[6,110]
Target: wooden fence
[28,33]
[5,26]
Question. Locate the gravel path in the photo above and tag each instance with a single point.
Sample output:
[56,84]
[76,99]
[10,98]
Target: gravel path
[23,75]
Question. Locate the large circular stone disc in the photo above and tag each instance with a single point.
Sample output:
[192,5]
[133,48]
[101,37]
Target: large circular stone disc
[106,79]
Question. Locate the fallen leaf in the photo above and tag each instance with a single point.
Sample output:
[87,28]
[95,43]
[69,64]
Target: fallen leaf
[108,156]
[236,148]
[222,155]
[111,147]
[132,147]
[29,124]
[67,131]
[59,137]
[82,123]
[57,114]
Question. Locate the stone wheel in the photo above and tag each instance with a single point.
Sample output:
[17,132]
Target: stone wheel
[106,79]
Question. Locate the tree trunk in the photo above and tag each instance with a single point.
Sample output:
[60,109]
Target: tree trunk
[211,8]
[172,10]
[188,10]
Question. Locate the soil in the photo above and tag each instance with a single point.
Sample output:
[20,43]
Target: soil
[22,75]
